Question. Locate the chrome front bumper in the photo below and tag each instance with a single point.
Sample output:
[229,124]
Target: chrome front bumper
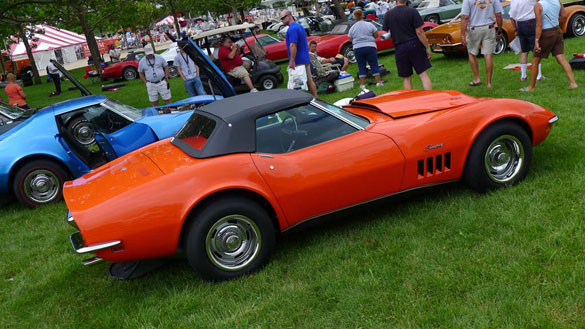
[553,120]
[79,246]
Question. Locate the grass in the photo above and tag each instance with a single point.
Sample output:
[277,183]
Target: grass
[449,258]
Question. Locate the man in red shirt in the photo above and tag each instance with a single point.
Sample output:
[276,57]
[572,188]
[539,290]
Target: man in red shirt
[232,62]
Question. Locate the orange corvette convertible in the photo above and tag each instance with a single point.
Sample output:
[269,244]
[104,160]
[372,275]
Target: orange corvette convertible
[245,168]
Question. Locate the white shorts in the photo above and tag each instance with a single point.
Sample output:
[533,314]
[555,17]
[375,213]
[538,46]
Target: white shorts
[154,89]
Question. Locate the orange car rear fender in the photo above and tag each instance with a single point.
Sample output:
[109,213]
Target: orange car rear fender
[151,227]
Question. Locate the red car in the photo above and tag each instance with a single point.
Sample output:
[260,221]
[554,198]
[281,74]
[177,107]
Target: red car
[337,41]
[275,48]
[127,69]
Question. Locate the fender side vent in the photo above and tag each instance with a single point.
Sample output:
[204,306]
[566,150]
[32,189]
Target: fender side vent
[430,166]
[434,165]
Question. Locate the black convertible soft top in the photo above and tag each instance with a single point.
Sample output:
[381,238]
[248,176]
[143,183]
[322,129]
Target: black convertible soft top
[235,118]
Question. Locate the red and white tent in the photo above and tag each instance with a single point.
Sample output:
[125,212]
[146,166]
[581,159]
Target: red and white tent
[54,42]
[169,20]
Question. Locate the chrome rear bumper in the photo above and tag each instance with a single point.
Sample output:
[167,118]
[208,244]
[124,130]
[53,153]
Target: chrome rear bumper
[79,246]
[553,120]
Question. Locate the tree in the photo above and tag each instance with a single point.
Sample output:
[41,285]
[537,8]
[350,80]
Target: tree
[142,13]
[16,16]
[88,15]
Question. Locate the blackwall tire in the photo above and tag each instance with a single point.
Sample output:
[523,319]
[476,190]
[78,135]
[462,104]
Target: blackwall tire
[229,238]
[500,157]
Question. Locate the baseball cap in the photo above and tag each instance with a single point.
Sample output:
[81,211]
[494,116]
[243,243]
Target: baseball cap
[148,50]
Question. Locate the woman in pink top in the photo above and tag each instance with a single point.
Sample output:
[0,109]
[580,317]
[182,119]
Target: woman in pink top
[14,92]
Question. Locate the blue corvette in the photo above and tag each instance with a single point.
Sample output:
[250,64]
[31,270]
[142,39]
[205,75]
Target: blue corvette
[40,150]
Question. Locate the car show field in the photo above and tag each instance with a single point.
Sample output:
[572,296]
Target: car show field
[441,257]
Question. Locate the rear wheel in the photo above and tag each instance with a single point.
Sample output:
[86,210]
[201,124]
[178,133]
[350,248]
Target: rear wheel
[268,82]
[173,72]
[39,182]
[347,52]
[229,238]
[499,157]
[130,73]
[576,27]
[432,19]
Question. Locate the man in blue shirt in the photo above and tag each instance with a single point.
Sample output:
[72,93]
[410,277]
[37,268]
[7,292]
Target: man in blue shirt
[298,47]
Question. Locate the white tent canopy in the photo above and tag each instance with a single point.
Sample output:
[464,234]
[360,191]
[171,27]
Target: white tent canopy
[48,40]
[169,20]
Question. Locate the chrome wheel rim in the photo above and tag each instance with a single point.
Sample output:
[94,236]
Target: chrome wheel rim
[500,46]
[504,159]
[579,26]
[350,55]
[233,242]
[41,186]
[433,19]
[129,75]
[173,72]
[84,133]
[268,84]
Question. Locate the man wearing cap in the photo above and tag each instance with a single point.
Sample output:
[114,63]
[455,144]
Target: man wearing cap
[190,73]
[232,62]
[154,72]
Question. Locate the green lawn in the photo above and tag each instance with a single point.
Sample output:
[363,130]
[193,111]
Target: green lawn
[447,258]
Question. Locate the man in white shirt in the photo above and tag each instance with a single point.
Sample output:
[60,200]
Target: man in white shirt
[524,21]
[384,7]
[114,54]
[189,71]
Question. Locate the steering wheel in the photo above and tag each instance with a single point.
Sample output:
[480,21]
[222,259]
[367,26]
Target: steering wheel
[289,131]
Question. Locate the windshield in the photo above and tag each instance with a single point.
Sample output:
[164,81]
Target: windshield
[11,112]
[124,110]
[428,4]
[362,122]
[340,29]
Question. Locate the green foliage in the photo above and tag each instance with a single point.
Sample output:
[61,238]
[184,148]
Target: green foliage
[446,258]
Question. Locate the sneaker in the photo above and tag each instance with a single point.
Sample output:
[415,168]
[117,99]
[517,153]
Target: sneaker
[379,84]
[362,87]
[254,90]
[541,78]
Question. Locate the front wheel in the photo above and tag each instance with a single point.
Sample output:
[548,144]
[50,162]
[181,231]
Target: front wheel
[499,157]
[347,52]
[38,183]
[229,238]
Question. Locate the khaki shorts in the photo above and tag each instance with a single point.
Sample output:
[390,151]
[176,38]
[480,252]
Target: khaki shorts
[551,41]
[481,36]
[154,89]
[239,72]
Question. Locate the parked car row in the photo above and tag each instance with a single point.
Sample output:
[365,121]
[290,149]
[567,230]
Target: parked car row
[446,38]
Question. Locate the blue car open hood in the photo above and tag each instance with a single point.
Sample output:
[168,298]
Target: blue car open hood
[207,67]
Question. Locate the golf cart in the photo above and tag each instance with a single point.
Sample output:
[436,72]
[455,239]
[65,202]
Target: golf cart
[264,73]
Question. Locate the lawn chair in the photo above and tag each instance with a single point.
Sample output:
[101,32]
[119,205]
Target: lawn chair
[323,72]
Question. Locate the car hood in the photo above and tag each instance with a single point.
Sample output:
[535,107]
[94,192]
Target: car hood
[405,103]
[207,67]
[166,125]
